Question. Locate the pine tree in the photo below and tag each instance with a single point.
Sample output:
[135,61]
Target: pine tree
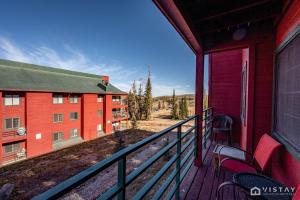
[174,111]
[133,122]
[181,113]
[133,105]
[130,101]
[140,103]
[148,102]
[185,107]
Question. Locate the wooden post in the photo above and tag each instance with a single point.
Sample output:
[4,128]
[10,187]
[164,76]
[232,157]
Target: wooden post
[199,104]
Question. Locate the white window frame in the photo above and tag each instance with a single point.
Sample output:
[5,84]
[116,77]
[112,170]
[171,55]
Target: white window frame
[100,98]
[12,123]
[60,119]
[74,133]
[60,136]
[15,148]
[99,128]
[76,115]
[11,100]
[73,99]
[58,99]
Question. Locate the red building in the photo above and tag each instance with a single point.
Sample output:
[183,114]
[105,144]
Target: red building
[43,109]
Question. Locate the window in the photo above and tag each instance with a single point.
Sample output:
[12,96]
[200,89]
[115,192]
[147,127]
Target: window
[58,136]
[58,99]
[73,115]
[58,117]
[11,100]
[100,98]
[11,148]
[74,133]
[99,113]
[73,99]
[243,94]
[99,128]
[287,95]
[11,123]
[116,98]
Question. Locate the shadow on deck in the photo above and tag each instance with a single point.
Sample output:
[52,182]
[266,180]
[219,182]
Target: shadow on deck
[205,182]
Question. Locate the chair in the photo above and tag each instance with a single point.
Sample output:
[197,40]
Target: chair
[296,195]
[21,154]
[263,152]
[223,125]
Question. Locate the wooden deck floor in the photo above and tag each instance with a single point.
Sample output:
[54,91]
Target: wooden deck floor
[204,182]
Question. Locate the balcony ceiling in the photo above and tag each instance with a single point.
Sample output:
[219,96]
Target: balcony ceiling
[212,20]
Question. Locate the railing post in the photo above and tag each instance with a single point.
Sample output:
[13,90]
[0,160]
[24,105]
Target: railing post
[205,128]
[122,177]
[196,136]
[178,161]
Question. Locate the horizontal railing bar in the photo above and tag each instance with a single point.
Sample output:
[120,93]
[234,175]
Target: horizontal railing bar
[187,156]
[81,177]
[132,176]
[110,193]
[165,185]
[186,169]
[148,186]
[187,144]
[171,193]
[188,132]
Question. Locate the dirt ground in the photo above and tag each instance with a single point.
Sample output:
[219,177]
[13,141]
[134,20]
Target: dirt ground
[36,175]
[161,120]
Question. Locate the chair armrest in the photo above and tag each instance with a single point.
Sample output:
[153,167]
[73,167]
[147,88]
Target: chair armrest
[247,153]
[230,183]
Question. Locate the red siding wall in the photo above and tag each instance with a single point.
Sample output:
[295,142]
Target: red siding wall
[263,88]
[39,109]
[90,116]
[285,167]
[225,86]
[289,21]
[108,113]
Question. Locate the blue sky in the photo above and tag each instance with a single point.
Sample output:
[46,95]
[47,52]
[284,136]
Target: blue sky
[116,38]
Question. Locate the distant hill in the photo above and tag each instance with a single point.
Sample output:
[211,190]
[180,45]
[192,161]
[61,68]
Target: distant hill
[188,96]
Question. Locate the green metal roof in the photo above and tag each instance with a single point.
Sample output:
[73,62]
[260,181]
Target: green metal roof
[28,77]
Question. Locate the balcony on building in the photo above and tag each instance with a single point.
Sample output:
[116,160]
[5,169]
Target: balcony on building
[119,101]
[119,114]
[13,152]
[252,52]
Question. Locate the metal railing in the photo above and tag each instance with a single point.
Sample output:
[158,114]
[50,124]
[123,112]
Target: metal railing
[11,135]
[207,125]
[185,144]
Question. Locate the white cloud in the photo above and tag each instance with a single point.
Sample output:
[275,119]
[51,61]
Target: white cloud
[74,59]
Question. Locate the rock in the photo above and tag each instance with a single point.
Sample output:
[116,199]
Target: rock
[6,190]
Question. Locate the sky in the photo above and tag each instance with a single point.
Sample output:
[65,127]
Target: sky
[121,39]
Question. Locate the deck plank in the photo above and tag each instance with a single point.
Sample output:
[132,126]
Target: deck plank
[205,182]
[198,181]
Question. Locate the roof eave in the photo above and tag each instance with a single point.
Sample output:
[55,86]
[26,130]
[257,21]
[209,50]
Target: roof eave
[174,16]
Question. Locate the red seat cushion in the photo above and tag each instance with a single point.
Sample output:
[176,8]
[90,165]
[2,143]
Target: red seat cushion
[238,166]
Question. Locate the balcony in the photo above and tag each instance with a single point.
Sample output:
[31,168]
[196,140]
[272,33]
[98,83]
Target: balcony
[119,103]
[119,115]
[180,148]
[9,136]
[13,157]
